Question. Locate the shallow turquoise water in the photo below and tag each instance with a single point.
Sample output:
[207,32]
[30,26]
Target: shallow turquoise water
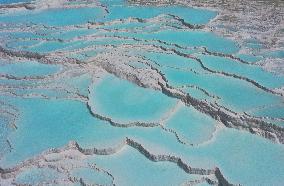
[132,103]
[13,1]
[236,94]
[54,17]
[194,39]
[144,171]
[48,101]
[255,73]
[244,156]
[193,126]
[29,68]
[189,15]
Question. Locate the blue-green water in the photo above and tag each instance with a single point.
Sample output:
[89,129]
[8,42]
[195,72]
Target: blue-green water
[13,1]
[133,103]
[108,73]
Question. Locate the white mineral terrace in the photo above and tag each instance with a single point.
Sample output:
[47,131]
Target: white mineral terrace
[141,92]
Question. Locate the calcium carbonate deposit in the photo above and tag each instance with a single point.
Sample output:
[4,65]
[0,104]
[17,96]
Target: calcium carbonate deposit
[141,92]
